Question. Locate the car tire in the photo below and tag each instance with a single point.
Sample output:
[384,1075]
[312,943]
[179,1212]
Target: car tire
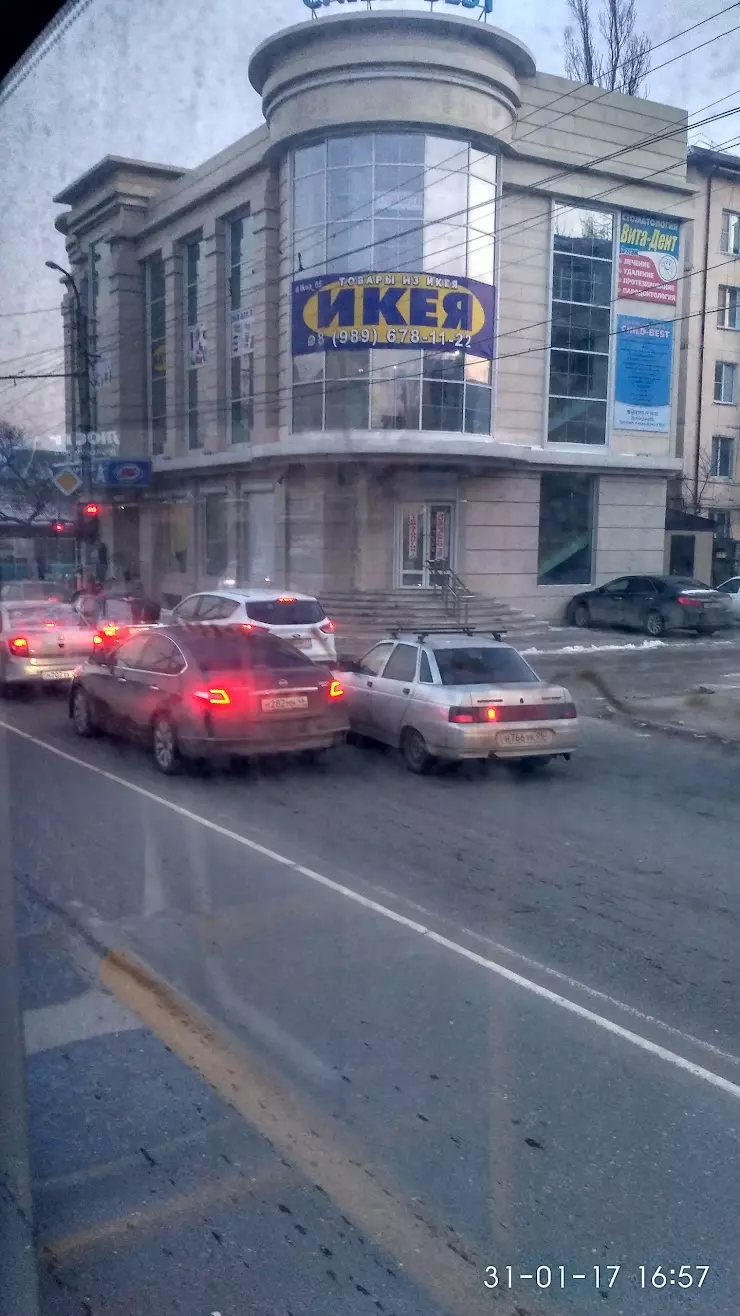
[313,756]
[581,616]
[414,751]
[84,718]
[706,630]
[654,625]
[165,751]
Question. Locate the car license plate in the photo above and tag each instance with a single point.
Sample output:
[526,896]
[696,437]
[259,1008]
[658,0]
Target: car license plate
[58,675]
[276,703]
[713,603]
[513,739]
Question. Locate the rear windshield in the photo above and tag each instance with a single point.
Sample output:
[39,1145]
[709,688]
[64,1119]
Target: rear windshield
[227,648]
[681,582]
[484,666]
[276,612]
[50,612]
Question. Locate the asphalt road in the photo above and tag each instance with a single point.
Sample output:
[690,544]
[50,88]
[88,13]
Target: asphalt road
[461,1021]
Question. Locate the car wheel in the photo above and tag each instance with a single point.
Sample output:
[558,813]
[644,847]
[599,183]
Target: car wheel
[581,615]
[416,756]
[706,630]
[83,715]
[654,624]
[164,745]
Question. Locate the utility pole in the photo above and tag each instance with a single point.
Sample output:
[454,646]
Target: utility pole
[81,370]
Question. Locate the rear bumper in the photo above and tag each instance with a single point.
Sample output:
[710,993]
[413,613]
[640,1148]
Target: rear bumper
[24,671]
[243,746]
[480,741]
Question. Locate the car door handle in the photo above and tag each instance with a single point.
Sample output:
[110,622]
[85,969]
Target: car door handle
[369,684]
[406,690]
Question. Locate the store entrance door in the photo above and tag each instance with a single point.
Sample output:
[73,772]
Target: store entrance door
[424,534]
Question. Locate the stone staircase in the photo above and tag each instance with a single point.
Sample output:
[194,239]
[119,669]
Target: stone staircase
[364,616]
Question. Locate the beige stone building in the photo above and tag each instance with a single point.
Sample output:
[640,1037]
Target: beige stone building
[708,435]
[426,315]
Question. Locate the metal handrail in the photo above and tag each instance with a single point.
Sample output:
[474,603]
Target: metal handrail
[455,593]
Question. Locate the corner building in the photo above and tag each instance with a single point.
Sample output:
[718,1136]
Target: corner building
[426,314]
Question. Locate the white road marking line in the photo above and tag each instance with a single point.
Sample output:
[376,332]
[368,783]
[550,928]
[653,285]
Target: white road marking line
[91,1014]
[365,902]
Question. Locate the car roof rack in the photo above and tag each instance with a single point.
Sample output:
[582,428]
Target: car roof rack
[444,630]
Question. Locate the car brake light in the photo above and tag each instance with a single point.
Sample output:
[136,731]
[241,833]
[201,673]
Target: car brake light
[109,630]
[336,690]
[248,626]
[216,695]
[19,645]
[462,715]
[286,598]
[568,710]
[687,602]
[97,639]
[327,627]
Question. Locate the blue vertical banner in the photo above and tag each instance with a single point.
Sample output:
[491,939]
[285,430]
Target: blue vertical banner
[642,394]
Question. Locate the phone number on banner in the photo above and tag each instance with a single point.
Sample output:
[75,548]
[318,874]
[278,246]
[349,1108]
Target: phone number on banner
[386,336]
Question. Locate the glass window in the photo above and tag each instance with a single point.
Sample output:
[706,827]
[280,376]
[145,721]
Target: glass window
[286,612]
[580,325]
[156,354]
[186,610]
[724,381]
[484,665]
[131,653]
[215,547]
[308,392]
[241,330]
[393,202]
[396,391]
[162,655]
[723,454]
[212,607]
[195,340]
[401,665]
[728,313]
[565,544]
[372,663]
[347,390]
[731,232]
[425,669]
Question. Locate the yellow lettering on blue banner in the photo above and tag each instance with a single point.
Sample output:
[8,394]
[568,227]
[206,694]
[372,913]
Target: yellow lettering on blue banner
[388,305]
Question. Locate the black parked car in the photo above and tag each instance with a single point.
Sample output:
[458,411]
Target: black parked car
[651,603]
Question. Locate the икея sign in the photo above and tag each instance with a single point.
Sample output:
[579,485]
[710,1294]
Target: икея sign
[334,312]
[485,5]
[648,259]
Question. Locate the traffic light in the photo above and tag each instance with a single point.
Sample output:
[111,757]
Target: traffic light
[88,522]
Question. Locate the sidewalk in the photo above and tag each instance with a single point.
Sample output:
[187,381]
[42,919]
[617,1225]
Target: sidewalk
[708,712]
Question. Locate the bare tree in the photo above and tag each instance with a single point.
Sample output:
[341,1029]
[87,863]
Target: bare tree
[616,56]
[27,493]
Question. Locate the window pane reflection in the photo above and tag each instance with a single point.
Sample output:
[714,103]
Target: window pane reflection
[394,202]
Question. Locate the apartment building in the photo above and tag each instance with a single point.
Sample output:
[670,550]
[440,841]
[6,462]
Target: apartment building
[709,410]
[424,315]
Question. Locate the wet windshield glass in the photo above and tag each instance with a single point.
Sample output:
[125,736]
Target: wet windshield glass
[277,612]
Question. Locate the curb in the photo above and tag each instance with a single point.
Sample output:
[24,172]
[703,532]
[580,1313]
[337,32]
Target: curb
[632,717]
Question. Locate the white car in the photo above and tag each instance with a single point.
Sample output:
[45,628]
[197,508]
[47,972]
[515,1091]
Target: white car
[298,618]
[731,590]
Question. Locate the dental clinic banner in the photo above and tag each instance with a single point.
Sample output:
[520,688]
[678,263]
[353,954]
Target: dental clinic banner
[642,394]
[648,259]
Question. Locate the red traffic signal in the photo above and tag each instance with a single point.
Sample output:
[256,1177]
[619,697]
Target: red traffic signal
[91,509]
[58,527]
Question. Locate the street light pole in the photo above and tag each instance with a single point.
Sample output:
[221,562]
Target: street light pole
[81,360]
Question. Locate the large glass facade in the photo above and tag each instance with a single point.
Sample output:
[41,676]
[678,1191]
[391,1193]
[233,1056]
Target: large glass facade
[240,329]
[393,202]
[581,321]
[156,369]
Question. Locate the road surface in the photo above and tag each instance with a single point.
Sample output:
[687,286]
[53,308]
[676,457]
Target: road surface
[398,1030]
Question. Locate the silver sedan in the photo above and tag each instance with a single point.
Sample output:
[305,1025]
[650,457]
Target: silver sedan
[458,696]
[41,643]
